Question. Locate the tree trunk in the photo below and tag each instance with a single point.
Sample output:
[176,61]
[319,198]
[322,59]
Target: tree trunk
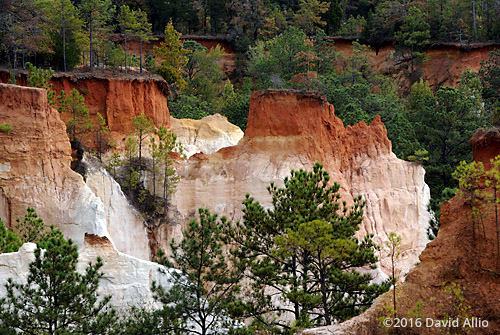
[125,35]
[496,223]
[474,18]
[91,46]
[324,294]
[63,28]
[140,54]
[393,282]
[295,286]
[140,133]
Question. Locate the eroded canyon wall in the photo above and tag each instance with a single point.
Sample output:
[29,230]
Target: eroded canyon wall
[291,130]
[457,256]
[127,279]
[118,99]
[207,135]
[35,172]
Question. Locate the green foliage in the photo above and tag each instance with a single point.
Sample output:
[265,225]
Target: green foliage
[381,22]
[333,17]
[32,228]
[132,178]
[9,240]
[189,107]
[114,163]
[352,27]
[309,16]
[435,207]
[490,77]
[127,21]
[174,57]
[99,128]
[412,37]
[96,15]
[143,32]
[443,125]
[236,104]
[56,299]
[204,289]
[394,246]
[192,66]
[66,31]
[493,181]
[419,156]
[277,56]
[167,144]
[328,255]
[288,266]
[79,124]
[143,127]
[469,176]
[455,306]
[470,85]
[207,78]
[5,128]
[40,78]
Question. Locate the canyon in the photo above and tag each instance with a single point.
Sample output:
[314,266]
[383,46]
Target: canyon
[286,130]
[445,61]
[293,130]
[453,257]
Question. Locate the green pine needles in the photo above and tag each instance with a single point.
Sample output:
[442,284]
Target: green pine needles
[55,299]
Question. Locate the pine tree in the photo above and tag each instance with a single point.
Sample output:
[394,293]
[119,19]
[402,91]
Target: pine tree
[394,246]
[143,127]
[100,129]
[309,17]
[132,178]
[174,57]
[9,240]
[56,299]
[143,32]
[40,78]
[127,20]
[289,267]
[204,289]
[74,103]
[66,27]
[114,163]
[167,144]
[97,14]
[414,35]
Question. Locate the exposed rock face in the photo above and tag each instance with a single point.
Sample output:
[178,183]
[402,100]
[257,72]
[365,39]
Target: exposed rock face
[206,135]
[124,224]
[453,256]
[288,130]
[117,99]
[446,62]
[120,99]
[35,172]
[36,157]
[127,279]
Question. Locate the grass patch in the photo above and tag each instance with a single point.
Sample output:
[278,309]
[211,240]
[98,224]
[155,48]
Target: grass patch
[5,128]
